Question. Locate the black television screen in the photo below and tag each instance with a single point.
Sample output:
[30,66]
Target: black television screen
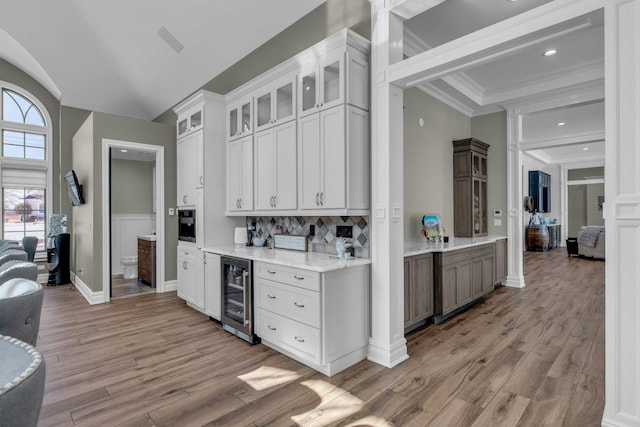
[74,188]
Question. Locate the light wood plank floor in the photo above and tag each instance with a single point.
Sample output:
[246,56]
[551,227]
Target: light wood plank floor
[530,357]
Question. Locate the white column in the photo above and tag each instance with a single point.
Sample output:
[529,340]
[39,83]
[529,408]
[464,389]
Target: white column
[387,345]
[622,213]
[564,204]
[515,202]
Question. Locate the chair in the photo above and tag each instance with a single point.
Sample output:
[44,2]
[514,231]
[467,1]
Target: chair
[9,244]
[13,254]
[30,244]
[21,383]
[18,269]
[20,307]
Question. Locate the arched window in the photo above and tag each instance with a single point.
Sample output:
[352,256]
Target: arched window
[24,164]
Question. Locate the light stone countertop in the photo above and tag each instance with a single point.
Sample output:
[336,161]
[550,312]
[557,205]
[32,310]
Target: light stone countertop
[455,243]
[149,237]
[314,261]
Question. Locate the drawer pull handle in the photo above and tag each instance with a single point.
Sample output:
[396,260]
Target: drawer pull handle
[271,272]
[299,339]
[271,296]
[299,277]
[298,304]
[271,328]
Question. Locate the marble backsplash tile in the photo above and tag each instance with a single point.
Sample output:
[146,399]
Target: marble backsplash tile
[324,237]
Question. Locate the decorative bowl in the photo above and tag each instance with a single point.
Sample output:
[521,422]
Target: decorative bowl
[258,241]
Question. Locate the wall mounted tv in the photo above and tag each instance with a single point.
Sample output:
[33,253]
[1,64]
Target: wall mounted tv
[74,188]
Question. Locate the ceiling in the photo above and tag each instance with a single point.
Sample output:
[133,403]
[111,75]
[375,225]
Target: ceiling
[113,56]
[522,76]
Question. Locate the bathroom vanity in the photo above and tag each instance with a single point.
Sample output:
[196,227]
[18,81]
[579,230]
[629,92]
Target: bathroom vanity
[147,260]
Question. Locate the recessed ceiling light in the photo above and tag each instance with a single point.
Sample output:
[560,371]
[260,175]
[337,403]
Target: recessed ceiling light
[123,150]
[561,123]
[550,52]
[585,148]
[512,1]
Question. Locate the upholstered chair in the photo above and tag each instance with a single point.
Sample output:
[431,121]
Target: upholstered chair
[18,269]
[30,244]
[13,255]
[22,377]
[20,307]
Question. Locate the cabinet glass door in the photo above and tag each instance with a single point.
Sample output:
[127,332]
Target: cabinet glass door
[246,117]
[477,218]
[284,101]
[196,119]
[182,126]
[233,122]
[331,82]
[309,98]
[263,110]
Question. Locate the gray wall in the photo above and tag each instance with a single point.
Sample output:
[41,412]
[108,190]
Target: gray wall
[325,20]
[492,129]
[583,207]
[585,173]
[88,218]
[133,184]
[428,160]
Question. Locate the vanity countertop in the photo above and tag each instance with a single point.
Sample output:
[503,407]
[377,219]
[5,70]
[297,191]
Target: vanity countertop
[313,261]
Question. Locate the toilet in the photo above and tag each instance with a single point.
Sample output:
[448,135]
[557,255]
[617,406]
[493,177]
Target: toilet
[130,266]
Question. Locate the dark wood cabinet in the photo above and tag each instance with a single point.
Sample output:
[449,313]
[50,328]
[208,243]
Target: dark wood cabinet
[540,190]
[501,262]
[470,188]
[418,290]
[147,262]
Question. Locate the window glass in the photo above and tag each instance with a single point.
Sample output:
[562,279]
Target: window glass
[23,145]
[17,108]
[24,214]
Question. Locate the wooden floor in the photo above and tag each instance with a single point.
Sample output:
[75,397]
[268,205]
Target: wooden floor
[530,357]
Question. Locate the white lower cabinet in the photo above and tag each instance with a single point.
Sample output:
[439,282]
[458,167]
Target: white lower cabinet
[212,285]
[191,277]
[319,319]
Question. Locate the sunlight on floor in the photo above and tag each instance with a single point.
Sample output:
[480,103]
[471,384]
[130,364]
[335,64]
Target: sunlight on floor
[335,404]
[372,421]
[265,377]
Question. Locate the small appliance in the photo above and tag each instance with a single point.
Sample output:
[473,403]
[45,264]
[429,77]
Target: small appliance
[187,225]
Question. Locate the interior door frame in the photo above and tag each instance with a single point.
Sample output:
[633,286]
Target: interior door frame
[107,144]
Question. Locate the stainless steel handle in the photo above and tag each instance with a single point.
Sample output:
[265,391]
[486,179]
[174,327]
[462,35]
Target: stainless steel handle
[298,305]
[271,272]
[271,296]
[240,203]
[246,297]
[184,199]
[271,328]
[299,339]
[317,199]
[201,180]
[299,277]
[322,199]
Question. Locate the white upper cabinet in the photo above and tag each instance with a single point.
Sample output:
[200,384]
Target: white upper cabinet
[275,103]
[276,172]
[239,118]
[190,120]
[190,165]
[322,86]
[240,175]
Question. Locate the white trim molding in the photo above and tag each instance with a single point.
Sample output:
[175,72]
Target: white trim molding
[92,297]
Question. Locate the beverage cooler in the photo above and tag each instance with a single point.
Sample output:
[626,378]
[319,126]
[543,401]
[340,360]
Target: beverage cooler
[237,298]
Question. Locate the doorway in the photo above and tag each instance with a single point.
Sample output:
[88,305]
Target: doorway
[134,221]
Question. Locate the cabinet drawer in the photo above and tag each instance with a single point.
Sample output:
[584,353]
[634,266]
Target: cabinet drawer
[480,251]
[291,276]
[296,337]
[289,301]
[456,256]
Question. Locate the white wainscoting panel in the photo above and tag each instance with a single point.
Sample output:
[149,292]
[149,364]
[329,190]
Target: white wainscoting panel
[125,229]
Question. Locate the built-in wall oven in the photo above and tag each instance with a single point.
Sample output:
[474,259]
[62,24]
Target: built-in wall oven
[187,225]
[237,298]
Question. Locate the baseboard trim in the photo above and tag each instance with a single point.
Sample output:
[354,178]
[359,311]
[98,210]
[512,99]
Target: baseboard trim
[388,356]
[92,297]
[515,281]
[169,286]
